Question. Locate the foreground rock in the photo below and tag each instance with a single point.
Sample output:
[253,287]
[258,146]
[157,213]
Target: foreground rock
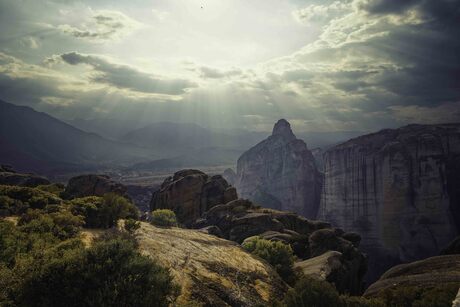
[241,219]
[190,193]
[280,173]
[426,273]
[9,177]
[93,185]
[398,189]
[209,270]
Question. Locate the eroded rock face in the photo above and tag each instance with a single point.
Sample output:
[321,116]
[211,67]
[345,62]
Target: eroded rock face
[190,193]
[280,173]
[399,189]
[425,273]
[93,185]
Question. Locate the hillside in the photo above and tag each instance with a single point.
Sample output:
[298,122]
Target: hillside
[35,141]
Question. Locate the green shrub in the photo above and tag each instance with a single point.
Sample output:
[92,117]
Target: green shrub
[309,292]
[438,296]
[132,225]
[15,200]
[164,218]
[103,212]
[54,188]
[110,273]
[278,254]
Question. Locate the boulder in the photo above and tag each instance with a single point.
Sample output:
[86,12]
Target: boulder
[93,185]
[333,267]
[280,173]
[190,193]
[425,273]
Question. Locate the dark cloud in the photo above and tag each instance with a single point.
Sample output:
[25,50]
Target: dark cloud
[126,77]
[386,6]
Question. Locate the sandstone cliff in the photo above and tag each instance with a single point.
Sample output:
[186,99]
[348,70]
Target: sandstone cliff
[398,188]
[280,173]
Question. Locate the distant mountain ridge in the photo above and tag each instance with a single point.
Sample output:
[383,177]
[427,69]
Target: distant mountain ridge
[36,141]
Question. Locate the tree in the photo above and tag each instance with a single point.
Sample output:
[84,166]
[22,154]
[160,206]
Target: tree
[164,218]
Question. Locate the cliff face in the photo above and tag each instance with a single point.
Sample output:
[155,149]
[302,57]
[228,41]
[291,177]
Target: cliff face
[399,189]
[280,173]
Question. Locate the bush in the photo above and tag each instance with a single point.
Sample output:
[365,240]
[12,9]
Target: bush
[278,254]
[309,292]
[54,188]
[103,212]
[438,296]
[164,218]
[132,225]
[110,273]
[15,200]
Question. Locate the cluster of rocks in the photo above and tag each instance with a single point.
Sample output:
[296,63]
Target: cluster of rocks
[211,205]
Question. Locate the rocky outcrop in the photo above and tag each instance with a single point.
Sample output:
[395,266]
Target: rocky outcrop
[398,189]
[9,177]
[280,173]
[211,271]
[190,193]
[434,271]
[93,185]
[333,267]
[241,219]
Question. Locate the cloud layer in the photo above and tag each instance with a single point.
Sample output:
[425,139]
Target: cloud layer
[324,65]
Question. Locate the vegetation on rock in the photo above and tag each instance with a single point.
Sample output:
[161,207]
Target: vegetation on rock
[278,254]
[164,218]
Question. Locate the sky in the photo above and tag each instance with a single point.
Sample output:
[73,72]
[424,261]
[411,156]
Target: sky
[340,65]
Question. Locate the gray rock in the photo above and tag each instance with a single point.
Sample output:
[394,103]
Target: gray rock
[398,189]
[280,173]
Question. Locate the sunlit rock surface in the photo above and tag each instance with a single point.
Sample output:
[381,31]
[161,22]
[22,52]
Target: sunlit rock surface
[399,189]
[211,271]
[280,173]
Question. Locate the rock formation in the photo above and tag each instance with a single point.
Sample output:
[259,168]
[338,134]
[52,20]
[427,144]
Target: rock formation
[399,189]
[190,193]
[333,267]
[241,219]
[9,177]
[93,185]
[434,271]
[280,173]
[211,271]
